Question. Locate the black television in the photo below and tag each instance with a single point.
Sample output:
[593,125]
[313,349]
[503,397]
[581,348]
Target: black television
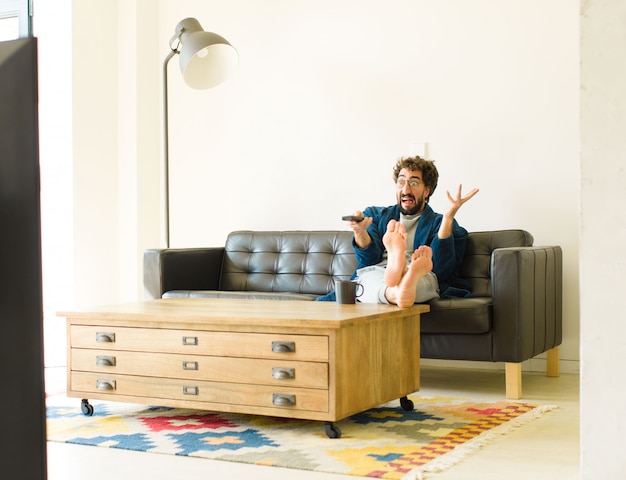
[23,451]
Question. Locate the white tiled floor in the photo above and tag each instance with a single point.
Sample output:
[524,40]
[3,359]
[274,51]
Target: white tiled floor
[547,448]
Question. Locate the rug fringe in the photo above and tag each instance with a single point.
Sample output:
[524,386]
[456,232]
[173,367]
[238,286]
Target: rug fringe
[453,457]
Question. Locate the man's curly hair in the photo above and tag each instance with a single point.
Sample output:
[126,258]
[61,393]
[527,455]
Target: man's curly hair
[430,175]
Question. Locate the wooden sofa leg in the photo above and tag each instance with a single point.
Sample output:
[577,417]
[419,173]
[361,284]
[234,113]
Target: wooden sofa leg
[513,376]
[554,362]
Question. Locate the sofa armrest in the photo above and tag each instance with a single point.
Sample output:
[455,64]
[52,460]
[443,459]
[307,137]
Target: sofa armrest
[181,269]
[527,288]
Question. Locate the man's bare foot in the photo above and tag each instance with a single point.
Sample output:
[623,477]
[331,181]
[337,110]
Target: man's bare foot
[395,243]
[421,263]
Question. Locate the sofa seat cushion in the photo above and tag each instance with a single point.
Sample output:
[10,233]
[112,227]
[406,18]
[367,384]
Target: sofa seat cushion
[458,316]
[242,295]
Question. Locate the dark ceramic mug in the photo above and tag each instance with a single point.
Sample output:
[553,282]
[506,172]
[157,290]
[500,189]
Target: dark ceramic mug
[347,291]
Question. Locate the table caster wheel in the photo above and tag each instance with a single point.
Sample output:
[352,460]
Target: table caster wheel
[86,408]
[407,404]
[332,430]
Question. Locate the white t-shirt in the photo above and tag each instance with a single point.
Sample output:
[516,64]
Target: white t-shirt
[410,225]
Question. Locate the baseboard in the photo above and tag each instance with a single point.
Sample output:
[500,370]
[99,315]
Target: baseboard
[533,365]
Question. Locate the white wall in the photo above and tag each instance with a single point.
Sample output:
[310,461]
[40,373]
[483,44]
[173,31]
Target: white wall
[603,236]
[327,95]
[139,140]
[116,73]
[53,28]
[96,138]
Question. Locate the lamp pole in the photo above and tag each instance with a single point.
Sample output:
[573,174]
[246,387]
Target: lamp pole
[166,154]
[206,59]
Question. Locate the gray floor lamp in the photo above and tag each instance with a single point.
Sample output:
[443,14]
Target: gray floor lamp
[206,59]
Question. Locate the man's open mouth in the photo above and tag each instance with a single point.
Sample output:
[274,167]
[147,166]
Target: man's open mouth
[407,199]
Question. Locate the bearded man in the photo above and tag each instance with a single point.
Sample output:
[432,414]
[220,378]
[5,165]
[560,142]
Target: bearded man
[407,253]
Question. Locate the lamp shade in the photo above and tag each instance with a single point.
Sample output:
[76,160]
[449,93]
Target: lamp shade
[206,59]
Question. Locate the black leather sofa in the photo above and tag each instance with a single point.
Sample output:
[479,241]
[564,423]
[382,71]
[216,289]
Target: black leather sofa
[513,314]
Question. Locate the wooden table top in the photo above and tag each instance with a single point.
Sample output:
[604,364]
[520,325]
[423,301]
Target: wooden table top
[290,313]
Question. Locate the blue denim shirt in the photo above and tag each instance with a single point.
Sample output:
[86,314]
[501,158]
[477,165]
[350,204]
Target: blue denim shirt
[447,252]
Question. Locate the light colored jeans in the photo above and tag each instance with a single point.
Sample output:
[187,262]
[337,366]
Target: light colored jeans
[373,280]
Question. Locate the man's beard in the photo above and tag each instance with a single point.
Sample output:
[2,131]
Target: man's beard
[417,208]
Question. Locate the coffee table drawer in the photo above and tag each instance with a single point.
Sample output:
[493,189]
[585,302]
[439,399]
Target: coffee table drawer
[216,369]
[102,386]
[228,344]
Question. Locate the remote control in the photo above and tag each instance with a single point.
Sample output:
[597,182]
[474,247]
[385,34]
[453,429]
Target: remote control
[352,218]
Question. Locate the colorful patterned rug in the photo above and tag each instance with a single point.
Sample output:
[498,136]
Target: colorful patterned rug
[384,442]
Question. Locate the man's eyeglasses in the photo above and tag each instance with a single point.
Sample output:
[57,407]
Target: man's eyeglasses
[401,182]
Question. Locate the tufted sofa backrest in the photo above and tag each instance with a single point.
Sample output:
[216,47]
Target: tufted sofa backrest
[309,262]
[476,266]
[290,261]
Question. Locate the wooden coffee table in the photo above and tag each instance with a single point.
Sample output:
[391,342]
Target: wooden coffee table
[296,359]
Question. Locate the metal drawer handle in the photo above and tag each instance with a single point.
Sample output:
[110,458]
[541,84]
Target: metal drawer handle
[283,347]
[107,385]
[105,337]
[190,365]
[190,390]
[105,361]
[190,340]
[283,399]
[280,373]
